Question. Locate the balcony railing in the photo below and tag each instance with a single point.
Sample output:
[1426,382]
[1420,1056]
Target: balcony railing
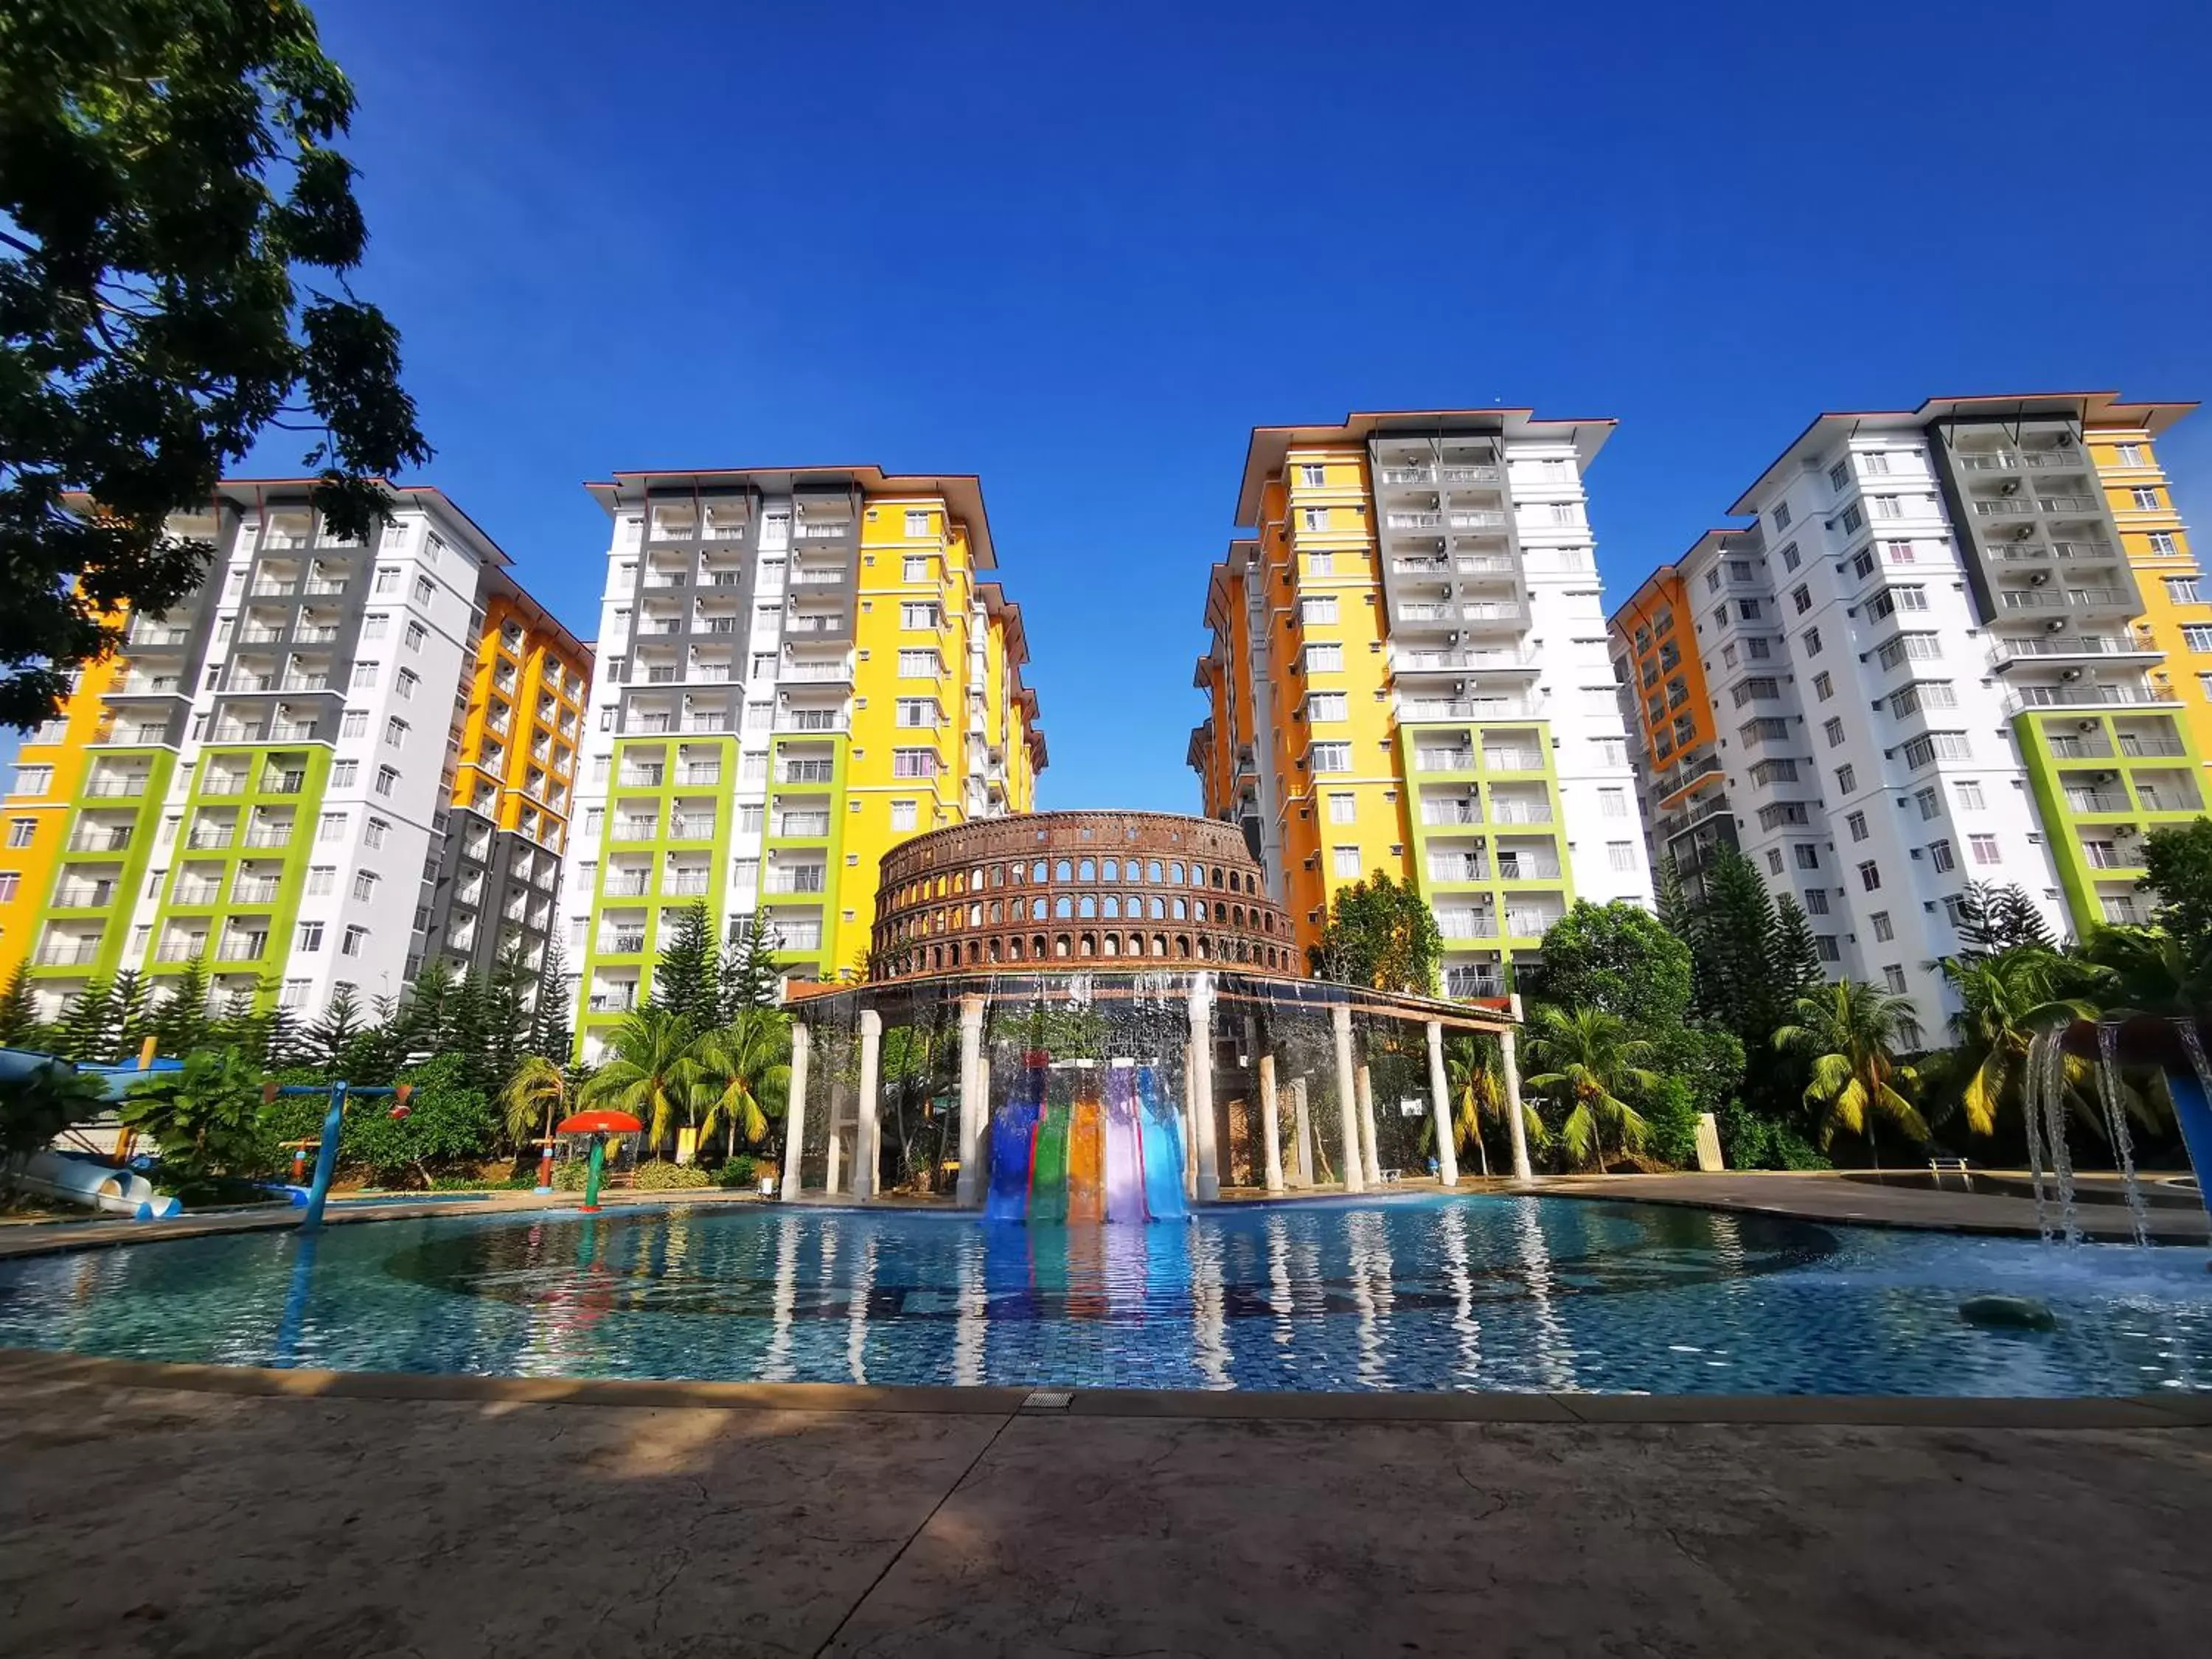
[2086,696]
[1413,521]
[1435,812]
[612,1002]
[621,944]
[1460,924]
[1475,520]
[2098,801]
[244,947]
[688,883]
[1469,983]
[112,787]
[101,840]
[1499,658]
[797,881]
[1443,760]
[2005,651]
[1497,759]
[2068,503]
[85,895]
[2098,857]
[682,828]
[803,826]
[1471,474]
[1408,475]
[253,893]
[1458,867]
[270,834]
[1520,811]
[70,953]
[2008,507]
[807,771]
[1525,868]
[283,783]
[2135,748]
[211,840]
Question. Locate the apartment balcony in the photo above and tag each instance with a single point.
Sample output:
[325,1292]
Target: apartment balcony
[68,953]
[2004,652]
[86,894]
[692,829]
[1489,660]
[157,635]
[1413,520]
[811,719]
[2005,506]
[688,883]
[1533,922]
[271,835]
[315,634]
[211,838]
[1676,778]
[710,625]
[1443,760]
[1469,984]
[1520,811]
[261,890]
[102,838]
[627,886]
[1466,473]
[1398,478]
[1416,710]
[612,1002]
[815,673]
[2009,460]
[1470,518]
[2068,503]
[1465,924]
[624,944]
[2098,801]
[797,881]
[1501,757]
[2136,748]
[2087,694]
[266,589]
[1450,812]
[2121,911]
[274,782]
[807,771]
[1458,866]
[242,947]
[633,830]
[112,787]
[2106,855]
[673,524]
[2038,552]
[802,826]
[1526,866]
[820,576]
[1488,614]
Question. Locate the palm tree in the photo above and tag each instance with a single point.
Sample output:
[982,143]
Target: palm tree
[1851,1031]
[538,1091]
[652,1076]
[2006,1000]
[1591,1060]
[738,1071]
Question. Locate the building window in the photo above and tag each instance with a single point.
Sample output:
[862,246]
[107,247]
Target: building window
[1612,803]
[1801,596]
[1812,641]
[1324,658]
[1940,856]
[2182,590]
[409,679]
[1888,507]
[1343,807]
[917,521]
[1774,859]
[1789,556]
[1816,901]
[922,665]
[2130,455]
[1834,731]
[1320,608]
[918,712]
[1823,946]
[1823,687]
[310,936]
[1893,976]
[1970,796]
[1870,876]
[920,615]
[387,580]
[903,814]
[1345,860]
[1847,780]
[1857,824]
[2197,637]
[915,568]
[2163,544]
[1862,563]
[415,635]
[1314,518]
[1621,854]
[364,885]
[1839,474]
[1330,756]
[356,937]
[295,994]
[1984,848]
[1853,520]
[1328,706]
[1897,552]
[1781,515]
[386,777]
[364,673]
[395,733]
[322,878]
[1748,609]
[1883,932]
[11,882]
[2144,500]
[913,763]
[333,827]
[1808,856]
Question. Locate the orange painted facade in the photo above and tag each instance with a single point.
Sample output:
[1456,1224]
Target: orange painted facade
[518,754]
[38,821]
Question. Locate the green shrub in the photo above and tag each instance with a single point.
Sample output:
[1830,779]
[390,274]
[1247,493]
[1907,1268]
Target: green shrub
[741,1172]
[661,1176]
[569,1175]
[1672,1114]
[1750,1141]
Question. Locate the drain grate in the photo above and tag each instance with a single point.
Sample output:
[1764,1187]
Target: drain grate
[1048,1400]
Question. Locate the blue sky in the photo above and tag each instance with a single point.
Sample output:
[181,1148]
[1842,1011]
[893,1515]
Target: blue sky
[1082,249]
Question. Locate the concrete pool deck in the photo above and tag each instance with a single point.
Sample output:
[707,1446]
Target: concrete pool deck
[1814,1196]
[181,1511]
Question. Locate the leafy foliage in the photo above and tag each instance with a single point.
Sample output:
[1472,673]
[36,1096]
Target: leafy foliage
[1381,933]
[206,1118]
[686,976]
[1851,1033]
[166,181]
[2179,860]
[1590,1059]
[43,1103]
[660,1176]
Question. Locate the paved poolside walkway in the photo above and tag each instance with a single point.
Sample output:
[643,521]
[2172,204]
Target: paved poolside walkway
[152,1520]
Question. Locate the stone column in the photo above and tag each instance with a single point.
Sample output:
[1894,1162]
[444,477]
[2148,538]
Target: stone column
[1519,1131]
[865,1129]
[1300,1135]
[1363,1089]
[1202,1087]
[794,1113]
[834,1164]
[1440,1105]
[974,1103]
[1271,1125]
[1347,1101]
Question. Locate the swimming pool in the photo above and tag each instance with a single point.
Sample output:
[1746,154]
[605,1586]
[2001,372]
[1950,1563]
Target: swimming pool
[1488,1292]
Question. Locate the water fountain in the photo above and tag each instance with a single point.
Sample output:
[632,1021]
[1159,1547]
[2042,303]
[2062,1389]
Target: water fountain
[2174,1047]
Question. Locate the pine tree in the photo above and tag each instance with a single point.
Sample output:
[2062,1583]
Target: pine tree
[1730,941]
[88,1029]
[507,1016]
[468,1030]
[549,1033]
[20,1027]
[751,978]
[181,1023]
[425,1018]
[1675,909]
[1793,962]
[133,1000]
[687,977]
[331,1038]
[1994,918]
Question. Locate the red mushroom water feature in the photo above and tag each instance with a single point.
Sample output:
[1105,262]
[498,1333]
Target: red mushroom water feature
[599,1125]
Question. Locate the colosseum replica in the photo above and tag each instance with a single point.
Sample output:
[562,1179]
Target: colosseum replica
[1103,1016]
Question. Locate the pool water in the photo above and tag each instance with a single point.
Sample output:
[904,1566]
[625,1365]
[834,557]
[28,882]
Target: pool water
[1493,1293]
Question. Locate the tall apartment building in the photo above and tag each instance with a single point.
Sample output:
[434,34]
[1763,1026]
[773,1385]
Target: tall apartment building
[332,761]
[802,669]
[1408,672]
[1962,642]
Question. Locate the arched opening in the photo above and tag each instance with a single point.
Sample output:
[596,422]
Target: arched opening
[1153,872]
[1037,909]
[1217,875]
[1087,945]
[1183,947]
[1112,944]
[1113,906]
[1205,948]
[1159,909]
[1175,873]
[1014,947]
[1087,870]
[1037,873]
[1086,907]
[1063,871]
[1198,909]
[1063,908]
[1181,910]
[975,952]
[1037,947]
[1159,945]
[1111,871]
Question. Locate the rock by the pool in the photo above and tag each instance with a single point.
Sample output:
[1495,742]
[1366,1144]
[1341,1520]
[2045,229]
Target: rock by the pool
[2008,1313]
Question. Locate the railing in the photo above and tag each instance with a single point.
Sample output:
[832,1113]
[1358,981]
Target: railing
[673,529]
[2096,800]
[1413,521]
[272,590]
[293,731]
[806,577]
[621,944]
[813,625]
[198,892]
[807,771]
[1483,611]
[72,954]
[2136,748]
[803,826]
[1465,983]
[1460,925]
[2081,749]
[323,584]
[113,787]
[797,881]
[2085,695]
[1468,708]
[211,840]
[2110,858]
[98,896]
[627,887]
[101,841]
[2067,503]
[724,625]
[818,532]
[1423,611]
[1425,662]
[317,634]
[721,529]
[270,834]
[806,720]
[1482,564]
[803,673]
[1408,475]
[1435,812]
[2005,651]
[1511,760]
[253,893]
[1463,868]
[701,776]
[1530,924]
[1525,868]
[655,578]
[633,830]
[259,635]
[1471,474]
[1443,760]
[1516,811]
[688,881]
[1476,521]
[692,829]
[283,783]
[612,1004]
[251,948]
[2008,507]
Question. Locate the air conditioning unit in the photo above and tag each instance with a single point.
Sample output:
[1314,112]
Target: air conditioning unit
[2010,487]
